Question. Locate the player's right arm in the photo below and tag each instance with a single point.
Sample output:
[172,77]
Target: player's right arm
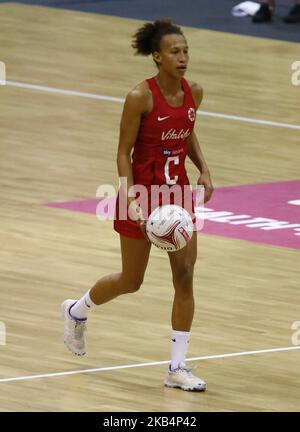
[136,105]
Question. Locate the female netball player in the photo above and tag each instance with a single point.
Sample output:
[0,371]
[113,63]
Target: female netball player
[158,117]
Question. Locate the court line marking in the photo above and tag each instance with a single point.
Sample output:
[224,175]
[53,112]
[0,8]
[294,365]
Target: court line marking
[121,100]
[76,372]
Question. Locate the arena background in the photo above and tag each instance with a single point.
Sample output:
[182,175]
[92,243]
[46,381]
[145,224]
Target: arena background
[69,66]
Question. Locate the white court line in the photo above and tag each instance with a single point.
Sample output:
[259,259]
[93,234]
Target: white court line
[63,92]
[76,372]
[249,120]
[121,100]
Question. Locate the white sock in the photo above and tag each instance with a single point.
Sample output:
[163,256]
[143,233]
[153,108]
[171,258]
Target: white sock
[180,344]
[81,308]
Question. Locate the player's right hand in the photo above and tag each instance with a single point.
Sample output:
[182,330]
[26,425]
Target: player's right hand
[135,213]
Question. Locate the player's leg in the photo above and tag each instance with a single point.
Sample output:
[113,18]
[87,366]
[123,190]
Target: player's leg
[265,12]
[135,255]
[182,265]
[294,14]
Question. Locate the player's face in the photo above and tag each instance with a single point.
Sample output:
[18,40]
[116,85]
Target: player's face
[173,56]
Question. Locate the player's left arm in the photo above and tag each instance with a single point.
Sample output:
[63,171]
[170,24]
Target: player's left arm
[195,152]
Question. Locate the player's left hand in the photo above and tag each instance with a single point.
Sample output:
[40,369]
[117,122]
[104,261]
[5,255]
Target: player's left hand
[205,181]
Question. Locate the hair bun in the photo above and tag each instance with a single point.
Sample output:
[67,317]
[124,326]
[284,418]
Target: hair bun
[147,38]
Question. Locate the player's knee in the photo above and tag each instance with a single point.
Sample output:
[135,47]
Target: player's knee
[133,285]
[184,272]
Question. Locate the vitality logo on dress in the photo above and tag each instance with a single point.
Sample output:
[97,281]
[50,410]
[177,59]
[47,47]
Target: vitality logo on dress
[172,134]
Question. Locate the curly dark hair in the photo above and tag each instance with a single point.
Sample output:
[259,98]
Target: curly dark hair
[148,37]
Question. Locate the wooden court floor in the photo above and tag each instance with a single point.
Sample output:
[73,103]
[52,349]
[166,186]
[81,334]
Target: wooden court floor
[58,147]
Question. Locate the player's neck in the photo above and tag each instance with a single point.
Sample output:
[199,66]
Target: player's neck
[168,84]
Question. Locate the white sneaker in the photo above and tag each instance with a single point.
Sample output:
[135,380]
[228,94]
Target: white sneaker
[73,330]
[184,379]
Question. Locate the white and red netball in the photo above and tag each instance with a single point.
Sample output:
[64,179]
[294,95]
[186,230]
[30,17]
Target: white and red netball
[169,227]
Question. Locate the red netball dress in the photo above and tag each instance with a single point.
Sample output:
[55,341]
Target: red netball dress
[159,152]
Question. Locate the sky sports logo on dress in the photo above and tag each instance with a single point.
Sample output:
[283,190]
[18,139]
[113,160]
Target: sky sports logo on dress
[174,152]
